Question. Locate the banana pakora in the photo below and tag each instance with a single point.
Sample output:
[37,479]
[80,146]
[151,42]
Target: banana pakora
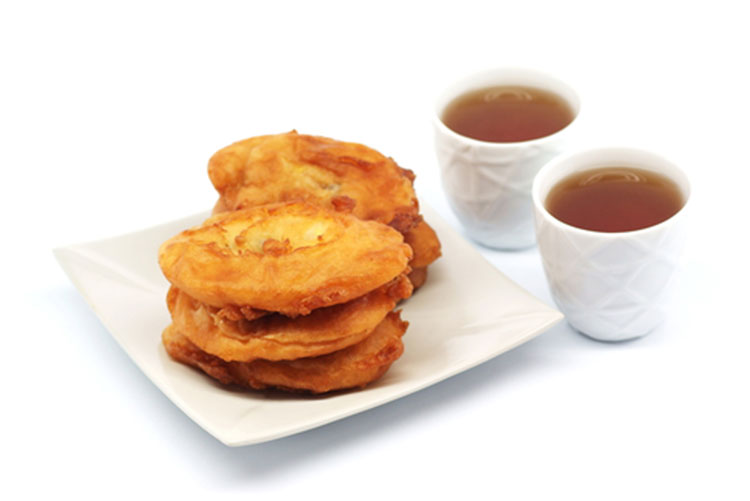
[289,258]
[318,170]
[277,337]
[292,283]
[342,176]
[352,367]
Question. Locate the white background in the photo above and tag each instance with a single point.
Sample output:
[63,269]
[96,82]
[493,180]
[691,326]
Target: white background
[108,114]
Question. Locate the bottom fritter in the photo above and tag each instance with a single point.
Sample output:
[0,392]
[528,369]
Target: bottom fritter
[352,367]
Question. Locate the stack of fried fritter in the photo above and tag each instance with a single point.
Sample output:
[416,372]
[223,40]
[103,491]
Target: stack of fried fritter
[292,282]
[287,295]
[341,176]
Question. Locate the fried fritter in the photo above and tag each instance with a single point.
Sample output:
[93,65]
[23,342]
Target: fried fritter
[289,258]
[277,337]
[347,177]
[220,206]
[422,239]
[333,174]
[425,244]
[417,277]
[352,367]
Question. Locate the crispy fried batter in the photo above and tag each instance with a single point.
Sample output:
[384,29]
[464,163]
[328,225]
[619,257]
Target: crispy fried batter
[418,277]
[234,313]
[425,244]
[289,258]
[220,206]
[318,170]
[352,367]
[277,337]
[347,177]
[421,238]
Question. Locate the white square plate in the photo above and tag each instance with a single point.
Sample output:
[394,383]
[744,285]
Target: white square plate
[467,313]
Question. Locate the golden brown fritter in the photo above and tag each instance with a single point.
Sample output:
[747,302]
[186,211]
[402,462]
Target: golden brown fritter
[425,244]
[417,277]
[333,174]
[352,367]
[421,238]
[277,337]
[346,177]
[290,258]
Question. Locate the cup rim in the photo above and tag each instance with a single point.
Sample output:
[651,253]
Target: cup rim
[552,164]
[438,122]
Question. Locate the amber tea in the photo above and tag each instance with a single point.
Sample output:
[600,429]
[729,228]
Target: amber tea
[507,114]
[612,199]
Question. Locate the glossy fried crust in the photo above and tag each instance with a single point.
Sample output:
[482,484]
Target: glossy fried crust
[333,174]
[425,244]
[289,258]
[421,238]
[277,337]
[352,367]
[417,277]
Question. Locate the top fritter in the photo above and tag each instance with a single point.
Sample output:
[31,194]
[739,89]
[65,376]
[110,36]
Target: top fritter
[322,171]
[289,258]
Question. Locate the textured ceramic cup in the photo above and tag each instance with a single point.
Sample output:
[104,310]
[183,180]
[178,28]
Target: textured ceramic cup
[488,185]
[610,286]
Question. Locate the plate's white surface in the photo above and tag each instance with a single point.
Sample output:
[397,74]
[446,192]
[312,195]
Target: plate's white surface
[467,313]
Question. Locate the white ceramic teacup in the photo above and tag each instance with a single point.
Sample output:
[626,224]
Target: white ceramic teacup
[610,286]
[488,185]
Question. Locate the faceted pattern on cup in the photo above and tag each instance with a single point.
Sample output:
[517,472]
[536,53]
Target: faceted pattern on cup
[489,190]
[610,288]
